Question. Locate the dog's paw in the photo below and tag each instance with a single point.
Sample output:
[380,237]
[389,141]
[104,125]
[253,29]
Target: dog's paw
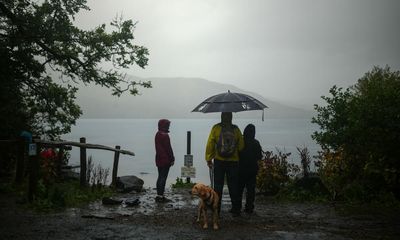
[216,227]
[205,226]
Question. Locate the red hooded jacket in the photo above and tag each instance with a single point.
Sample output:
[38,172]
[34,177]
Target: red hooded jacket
[164,153]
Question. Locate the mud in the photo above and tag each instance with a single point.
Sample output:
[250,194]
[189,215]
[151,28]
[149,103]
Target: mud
[177,220]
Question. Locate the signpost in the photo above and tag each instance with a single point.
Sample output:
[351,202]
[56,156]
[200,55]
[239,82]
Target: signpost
[188,170]
[32,149]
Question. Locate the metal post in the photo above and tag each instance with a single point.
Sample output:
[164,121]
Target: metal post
[188,142]
[188,146]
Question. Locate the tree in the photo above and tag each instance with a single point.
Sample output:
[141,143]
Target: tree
[362,125]
[38,38]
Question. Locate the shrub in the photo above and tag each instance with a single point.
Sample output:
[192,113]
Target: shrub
[308,187]
[333,170]
[66,194]
[53,194]
[305,160]
[275,172]
[359,134]
[96,176]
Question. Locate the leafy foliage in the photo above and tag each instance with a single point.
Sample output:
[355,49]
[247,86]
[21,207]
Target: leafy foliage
[180,183]
[331,168]
[37,40]
[282,180]
[66,194]
[359,136]
[275,172]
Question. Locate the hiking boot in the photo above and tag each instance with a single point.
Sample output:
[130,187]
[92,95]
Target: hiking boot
[235,212]
[159,198]
[162,199]
[248,210]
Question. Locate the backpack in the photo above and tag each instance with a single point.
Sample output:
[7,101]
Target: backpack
[226,145]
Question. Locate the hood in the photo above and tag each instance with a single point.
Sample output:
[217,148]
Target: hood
[249,132]
[163,125]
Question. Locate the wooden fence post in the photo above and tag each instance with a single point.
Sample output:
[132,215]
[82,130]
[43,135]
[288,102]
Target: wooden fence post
[21,153]
[33,173]
[82,173]
[115,167]
[59,163]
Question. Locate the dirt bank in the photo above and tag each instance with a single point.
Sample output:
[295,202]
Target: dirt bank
[177,220]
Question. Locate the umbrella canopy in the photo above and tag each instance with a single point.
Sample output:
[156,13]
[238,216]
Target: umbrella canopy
[229,102]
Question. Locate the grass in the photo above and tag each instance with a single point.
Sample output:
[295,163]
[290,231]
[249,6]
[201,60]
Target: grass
[180,183]
[56,196]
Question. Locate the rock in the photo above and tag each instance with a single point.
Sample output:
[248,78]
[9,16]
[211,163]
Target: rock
[129,183]
[132,202]
[110,201]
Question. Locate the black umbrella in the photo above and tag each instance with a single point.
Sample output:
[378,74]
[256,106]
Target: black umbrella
[229,102]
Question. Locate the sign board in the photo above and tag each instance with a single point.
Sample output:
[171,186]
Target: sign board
[188,160]
[188,172]
[32,149]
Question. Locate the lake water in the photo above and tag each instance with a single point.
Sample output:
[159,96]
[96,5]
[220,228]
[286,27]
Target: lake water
[137,135]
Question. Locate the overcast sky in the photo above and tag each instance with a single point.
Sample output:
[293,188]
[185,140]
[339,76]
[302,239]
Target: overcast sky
[287,50]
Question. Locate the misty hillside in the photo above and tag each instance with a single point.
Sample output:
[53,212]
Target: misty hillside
[171,98]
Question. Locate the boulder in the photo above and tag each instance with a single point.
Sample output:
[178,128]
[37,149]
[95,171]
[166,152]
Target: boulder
[129,183]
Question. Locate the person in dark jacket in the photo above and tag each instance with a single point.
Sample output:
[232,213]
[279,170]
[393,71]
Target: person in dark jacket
[248,166]
[164,157]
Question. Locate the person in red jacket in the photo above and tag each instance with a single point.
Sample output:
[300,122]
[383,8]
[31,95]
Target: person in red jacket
[164,157]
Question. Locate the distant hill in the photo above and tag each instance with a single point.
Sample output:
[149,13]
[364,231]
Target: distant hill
[171,98]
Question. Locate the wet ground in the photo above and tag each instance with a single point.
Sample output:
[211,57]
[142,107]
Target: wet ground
[177,220]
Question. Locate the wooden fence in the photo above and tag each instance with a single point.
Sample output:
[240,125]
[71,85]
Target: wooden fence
[33,160]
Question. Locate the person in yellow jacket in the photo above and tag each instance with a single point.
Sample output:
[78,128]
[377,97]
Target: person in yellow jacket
[222,156]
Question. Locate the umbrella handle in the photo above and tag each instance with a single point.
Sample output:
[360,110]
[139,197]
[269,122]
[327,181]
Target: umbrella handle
[263,115]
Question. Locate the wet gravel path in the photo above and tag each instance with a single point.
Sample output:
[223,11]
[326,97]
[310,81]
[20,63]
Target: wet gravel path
[177,220]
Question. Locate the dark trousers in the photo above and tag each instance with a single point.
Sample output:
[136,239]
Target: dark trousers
[248,181]
[162,179]
[231,170]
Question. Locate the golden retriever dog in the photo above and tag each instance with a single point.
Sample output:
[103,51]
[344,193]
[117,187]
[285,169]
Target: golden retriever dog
[208,199]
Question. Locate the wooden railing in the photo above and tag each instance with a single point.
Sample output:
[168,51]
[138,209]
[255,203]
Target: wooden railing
[33,163]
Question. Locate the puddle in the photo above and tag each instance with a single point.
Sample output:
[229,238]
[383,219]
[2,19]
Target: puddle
[180,199]
[147,206]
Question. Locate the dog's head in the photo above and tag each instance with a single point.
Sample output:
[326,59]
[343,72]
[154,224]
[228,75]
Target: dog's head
[200,190]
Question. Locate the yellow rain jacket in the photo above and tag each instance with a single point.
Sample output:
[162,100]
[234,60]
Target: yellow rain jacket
[211,148]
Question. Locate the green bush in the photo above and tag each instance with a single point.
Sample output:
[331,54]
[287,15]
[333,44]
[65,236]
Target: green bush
[359,135]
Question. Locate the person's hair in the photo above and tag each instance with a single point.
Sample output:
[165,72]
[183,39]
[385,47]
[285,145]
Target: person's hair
[226,116]
[249,132]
